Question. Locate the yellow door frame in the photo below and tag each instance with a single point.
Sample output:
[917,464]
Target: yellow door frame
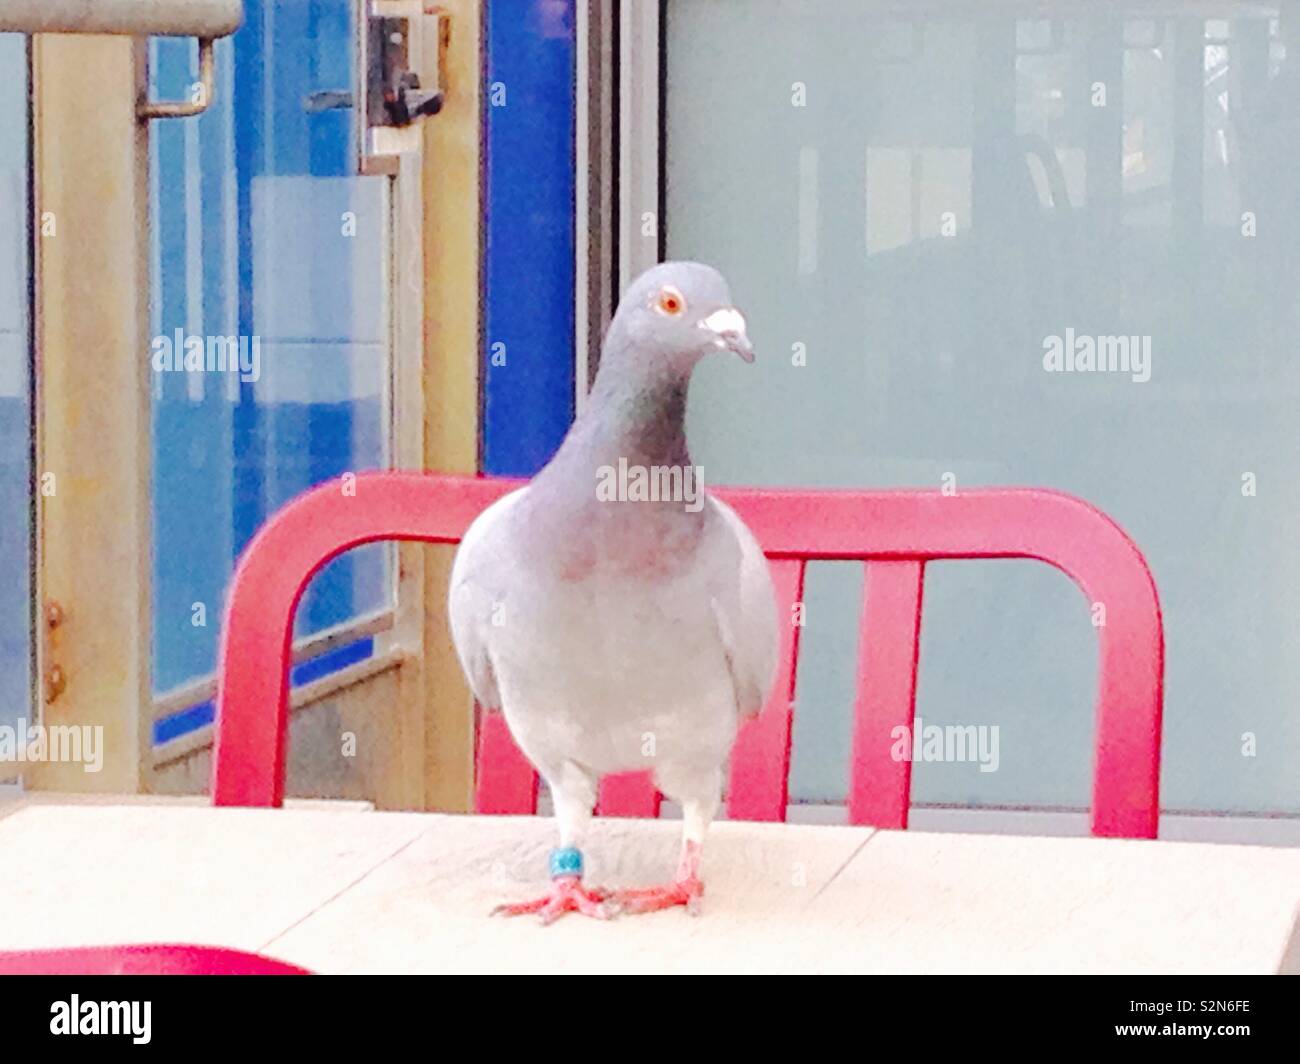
[92,406]
[452,235]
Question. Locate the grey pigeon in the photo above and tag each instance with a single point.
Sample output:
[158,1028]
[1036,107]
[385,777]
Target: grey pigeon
[619,616]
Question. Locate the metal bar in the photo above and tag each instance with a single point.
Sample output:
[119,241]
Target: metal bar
[187,108]
[639,224]
[595,116]
[192,692]
[760,761]
[133,18]
[889,639]
[300,698]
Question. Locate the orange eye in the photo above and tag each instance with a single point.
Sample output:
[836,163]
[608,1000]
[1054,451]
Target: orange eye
[670,301]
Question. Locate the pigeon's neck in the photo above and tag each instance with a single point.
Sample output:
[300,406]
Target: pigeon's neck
[634,423]
[640,419]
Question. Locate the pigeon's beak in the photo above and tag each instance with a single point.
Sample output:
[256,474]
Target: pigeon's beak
[728,328]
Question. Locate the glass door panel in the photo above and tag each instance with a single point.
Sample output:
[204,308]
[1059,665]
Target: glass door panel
[264,241]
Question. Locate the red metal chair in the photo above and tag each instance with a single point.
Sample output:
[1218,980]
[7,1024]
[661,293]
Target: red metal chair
[143,960]
[894,532]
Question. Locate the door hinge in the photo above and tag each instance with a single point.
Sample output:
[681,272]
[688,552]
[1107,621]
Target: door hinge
[55,680]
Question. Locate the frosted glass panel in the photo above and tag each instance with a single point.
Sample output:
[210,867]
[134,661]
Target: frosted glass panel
[988,250]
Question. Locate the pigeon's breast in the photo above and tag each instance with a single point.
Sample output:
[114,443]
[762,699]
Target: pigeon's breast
[635,543]
[602,668]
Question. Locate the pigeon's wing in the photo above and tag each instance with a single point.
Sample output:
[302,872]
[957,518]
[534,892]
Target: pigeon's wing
[744,608]
[475,591]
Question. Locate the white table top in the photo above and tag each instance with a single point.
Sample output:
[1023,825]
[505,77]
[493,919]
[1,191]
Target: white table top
[348,890]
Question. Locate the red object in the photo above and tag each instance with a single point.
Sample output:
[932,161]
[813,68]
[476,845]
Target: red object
[143,960]
[894,532]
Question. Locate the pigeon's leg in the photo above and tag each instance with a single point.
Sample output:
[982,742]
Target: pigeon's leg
[686,888]
[574,793]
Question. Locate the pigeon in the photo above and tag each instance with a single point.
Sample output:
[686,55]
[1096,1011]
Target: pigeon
[619,616]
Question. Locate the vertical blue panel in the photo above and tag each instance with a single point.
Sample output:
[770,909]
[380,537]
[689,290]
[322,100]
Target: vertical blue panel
[310,43]
[529,276]
[330,132]
[191,436]
[250,158]
[248,202]
[16,472]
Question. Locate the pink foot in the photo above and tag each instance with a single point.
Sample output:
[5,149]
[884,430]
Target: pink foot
[566,895]
[686,892]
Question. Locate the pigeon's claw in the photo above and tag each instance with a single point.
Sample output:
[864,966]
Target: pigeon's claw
[687,892]
[566,895]
[686,889]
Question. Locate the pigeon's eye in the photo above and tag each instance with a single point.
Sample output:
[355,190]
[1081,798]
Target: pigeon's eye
[670,301]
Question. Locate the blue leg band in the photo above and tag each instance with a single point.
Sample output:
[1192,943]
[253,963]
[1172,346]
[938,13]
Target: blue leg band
[566,861]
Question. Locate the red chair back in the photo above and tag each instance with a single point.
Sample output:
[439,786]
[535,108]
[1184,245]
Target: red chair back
[893,532]
[143,960]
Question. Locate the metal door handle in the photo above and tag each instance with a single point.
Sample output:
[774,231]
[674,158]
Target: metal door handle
[405,102]
[398,78]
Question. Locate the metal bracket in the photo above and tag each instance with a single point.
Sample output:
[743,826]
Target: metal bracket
[206,90]
[204,19]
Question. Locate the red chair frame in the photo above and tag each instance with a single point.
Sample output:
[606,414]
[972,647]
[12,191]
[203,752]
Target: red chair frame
[143,960]
[894,532]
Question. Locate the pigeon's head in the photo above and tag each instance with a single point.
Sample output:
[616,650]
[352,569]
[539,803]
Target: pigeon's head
[676,313]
